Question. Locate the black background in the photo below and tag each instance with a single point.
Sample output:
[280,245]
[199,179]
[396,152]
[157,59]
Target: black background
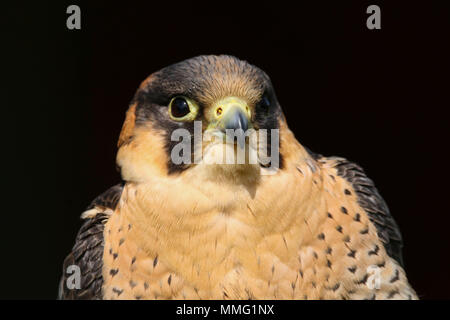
[377,97]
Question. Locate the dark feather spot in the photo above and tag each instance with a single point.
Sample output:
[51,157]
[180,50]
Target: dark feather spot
[132,284]
[392,293]
[364,231]
[328,250]
[335,287]
[113,272]
[321,236]
[121,241]
[374,251]
[347,192]
[330,215]
[344,210]
[363,280]
[133,260]
[352,269]
[169,280]
[357,217]
[117,291]
[396,277]
[339,229]
[155,262]
[285,243]
[352,253]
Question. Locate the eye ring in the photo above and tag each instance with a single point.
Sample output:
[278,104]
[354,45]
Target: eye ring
[265,102]
[182,109]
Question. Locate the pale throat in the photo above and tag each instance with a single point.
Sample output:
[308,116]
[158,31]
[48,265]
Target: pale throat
[208,202]
[198,202]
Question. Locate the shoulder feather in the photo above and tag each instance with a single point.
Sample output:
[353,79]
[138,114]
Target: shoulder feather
[87,253]
[374,205]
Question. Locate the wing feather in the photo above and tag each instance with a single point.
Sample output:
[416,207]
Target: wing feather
[372,202]
[87,252]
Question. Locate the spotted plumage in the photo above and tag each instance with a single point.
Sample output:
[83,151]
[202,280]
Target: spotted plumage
[87,253]
[312,227]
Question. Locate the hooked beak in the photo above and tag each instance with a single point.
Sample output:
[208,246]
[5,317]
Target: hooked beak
[231,113]
[236,120]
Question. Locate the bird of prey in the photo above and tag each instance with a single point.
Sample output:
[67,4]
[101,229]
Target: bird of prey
[313,227]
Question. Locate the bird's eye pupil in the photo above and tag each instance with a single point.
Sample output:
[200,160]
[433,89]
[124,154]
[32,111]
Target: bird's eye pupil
[179,107]
[265,102]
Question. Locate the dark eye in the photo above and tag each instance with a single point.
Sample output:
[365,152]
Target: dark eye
[265,102]
[179,107]
[183,109]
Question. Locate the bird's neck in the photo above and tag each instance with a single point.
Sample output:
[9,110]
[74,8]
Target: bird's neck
[194,220]
[174,213]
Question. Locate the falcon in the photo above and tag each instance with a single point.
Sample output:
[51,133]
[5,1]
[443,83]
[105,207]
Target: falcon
[303,227]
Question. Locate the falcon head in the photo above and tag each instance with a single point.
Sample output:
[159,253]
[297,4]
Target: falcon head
[204,97]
